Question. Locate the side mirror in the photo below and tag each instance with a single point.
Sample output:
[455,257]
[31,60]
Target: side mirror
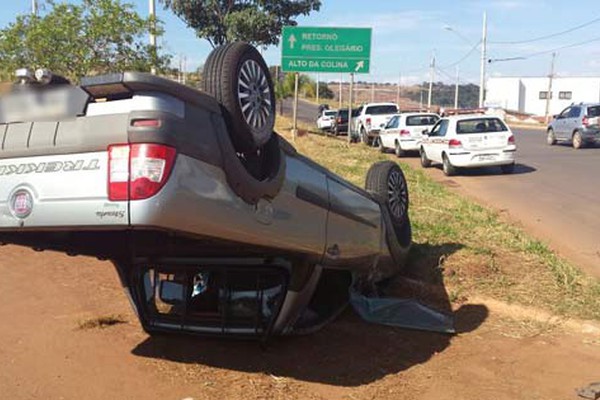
[382,126]
[425,132]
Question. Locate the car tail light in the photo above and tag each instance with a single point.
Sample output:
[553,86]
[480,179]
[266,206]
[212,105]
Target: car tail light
[511,139]
[585,121]
[368,120]
[339,120]
[454,143]
[138,171]
[404,132]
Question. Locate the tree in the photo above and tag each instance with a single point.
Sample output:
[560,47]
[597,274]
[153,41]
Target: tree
[258,22]
[74,40]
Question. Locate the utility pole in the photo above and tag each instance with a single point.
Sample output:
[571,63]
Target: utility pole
[34,7]
[431,78]
[549,93]
[184,69]
[483,61]
[152,11]
[317,88]
[456,91]
[398,89]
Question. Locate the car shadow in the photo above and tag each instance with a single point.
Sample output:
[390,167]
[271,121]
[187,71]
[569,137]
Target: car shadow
[347,352]
[520,169]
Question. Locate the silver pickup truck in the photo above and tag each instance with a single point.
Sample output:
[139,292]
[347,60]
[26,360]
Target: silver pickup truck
[216,225]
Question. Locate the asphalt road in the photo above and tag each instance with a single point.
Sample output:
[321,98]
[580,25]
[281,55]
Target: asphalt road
[554,192]
[307,112]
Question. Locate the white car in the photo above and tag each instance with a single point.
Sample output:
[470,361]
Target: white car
[404,132]
[326,119]
[469,141]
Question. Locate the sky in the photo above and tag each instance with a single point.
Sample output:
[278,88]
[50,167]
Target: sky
[407,34]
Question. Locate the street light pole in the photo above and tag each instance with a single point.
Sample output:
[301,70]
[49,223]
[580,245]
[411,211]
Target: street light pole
[483,61]
[456,91]
[34,7]
[431,78]
[152,11]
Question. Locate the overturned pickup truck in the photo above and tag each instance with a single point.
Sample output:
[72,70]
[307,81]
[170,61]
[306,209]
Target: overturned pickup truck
[215,224]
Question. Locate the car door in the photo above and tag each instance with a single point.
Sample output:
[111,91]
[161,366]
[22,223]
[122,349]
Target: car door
[559,126]
[431,142]
[573,121]
[390,132]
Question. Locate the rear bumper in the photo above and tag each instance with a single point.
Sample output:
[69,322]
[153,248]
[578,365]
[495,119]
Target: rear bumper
[466,159]
[591,135]
[410,144]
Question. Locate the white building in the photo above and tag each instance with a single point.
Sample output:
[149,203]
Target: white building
[529,95]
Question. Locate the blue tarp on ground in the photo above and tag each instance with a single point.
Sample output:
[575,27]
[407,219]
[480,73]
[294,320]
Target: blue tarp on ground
[402,313]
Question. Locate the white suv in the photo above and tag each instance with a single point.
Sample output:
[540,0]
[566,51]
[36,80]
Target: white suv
[404,132]
[469,141]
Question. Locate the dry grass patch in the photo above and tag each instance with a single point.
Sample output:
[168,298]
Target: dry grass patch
[102,322]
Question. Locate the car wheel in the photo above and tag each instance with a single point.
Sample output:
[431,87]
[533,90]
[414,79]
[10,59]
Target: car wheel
[380,145]
[508,169]
[363,136]
[447,166]
[387,184]
[551,137]
[425,162]
[238,78]
[398,150]
[577,140]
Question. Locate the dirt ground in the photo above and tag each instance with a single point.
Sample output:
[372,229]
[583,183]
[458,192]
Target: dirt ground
[45,353]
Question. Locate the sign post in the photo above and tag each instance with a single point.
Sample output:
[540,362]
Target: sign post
[295,111]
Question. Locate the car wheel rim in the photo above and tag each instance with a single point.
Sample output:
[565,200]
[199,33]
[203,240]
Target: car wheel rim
[397,194]
[254,94]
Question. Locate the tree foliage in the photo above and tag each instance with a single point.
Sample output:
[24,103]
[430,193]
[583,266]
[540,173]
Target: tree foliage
[258,22]
[91,37]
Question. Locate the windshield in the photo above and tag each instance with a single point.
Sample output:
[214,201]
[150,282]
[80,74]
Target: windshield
[480,125]
[385,109]
[418,120]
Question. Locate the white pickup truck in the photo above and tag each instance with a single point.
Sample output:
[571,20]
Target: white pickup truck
[370,119]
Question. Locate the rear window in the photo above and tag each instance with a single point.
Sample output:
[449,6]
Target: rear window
[377,110]
[330,113]
[593,111]
[417,120]
[480,125]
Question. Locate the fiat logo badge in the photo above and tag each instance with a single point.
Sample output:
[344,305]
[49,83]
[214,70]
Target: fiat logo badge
[21,203]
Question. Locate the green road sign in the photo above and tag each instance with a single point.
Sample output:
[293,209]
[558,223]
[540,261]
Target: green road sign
[315,49]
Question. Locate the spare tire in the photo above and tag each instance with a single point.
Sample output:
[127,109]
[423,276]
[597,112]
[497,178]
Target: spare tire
[238,78]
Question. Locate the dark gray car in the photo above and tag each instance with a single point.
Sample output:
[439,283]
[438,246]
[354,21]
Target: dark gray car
[577,124]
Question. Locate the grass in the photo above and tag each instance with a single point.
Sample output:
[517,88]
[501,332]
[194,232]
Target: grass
[468,248]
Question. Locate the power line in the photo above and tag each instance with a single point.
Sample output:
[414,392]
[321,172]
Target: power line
[539,53]
[463,58]
[550,35]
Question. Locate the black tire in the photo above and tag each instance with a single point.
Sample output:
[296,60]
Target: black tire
[425,162]
[363,136]
[386,183]
[577,140]
[551,137]
[508,169]
[447,166]
[380,146]
[238,78]
[398,150]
